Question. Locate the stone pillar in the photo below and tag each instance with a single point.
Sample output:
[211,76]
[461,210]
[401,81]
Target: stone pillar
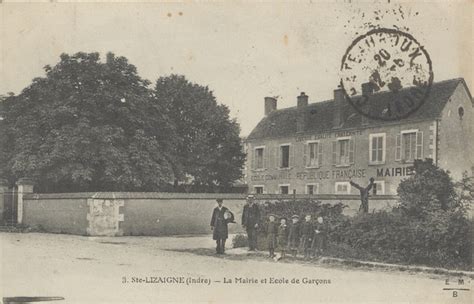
[25,186]
[3,189]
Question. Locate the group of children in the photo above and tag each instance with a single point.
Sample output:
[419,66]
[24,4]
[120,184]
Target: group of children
[307,236]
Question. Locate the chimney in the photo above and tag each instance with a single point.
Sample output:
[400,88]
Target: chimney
[270,105]
[302,100]
[338,108]
[301,112]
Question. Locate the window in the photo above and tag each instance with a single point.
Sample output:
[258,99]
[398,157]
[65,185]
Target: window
[342,188]
[343,151]
[284,156]
[377,148]
[258,189]
[259,158]
[313,154]
[378,188]
[284,189]
[409,146]
[312,189]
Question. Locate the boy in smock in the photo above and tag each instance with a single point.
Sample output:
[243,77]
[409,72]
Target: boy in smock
[294,235]
[272,230]
[282,238]
[307,234]
[320,236]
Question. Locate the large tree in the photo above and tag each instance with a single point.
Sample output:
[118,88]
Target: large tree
[87,126]
[209,151]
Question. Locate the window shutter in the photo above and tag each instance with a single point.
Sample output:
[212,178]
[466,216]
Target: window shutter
[351,151]
[334,152]
[251,156]
[271,157]
[419,145]
[305,155]
[320,154]
[277,157]
[291,156]
[265,157]
[398,147]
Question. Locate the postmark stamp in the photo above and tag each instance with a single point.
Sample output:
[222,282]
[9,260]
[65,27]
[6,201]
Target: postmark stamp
[386,74]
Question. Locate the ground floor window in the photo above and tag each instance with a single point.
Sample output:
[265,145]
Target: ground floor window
[312,189]
[379,188]
[284,189]
[258,189]
[342,188]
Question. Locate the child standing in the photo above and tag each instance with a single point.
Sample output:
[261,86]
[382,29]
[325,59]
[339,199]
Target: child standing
[272,230]
[307,234]
[320,236]
[282,237]
[294,235]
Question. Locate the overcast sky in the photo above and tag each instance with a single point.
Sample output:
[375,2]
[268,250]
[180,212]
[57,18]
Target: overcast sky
[243,52]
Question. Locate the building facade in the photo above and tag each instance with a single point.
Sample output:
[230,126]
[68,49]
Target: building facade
[319,148]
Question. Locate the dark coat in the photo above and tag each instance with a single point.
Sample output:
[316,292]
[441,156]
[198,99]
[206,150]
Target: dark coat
[320,239]
[250,216]
[294,236]
[219,223]
[282,236]
[272,230]
[307,234]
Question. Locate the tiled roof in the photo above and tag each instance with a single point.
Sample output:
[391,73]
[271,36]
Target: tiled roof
[319,115]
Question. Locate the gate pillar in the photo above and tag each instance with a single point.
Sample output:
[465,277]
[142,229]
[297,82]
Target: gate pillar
[3,189]
[25,186]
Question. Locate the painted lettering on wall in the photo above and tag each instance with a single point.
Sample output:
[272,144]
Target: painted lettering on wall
[312,175]
[328,135]
[396,171]
[267,177]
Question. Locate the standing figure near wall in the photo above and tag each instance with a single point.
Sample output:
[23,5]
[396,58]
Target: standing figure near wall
[364,195]
[282,237]
[272,231]
[250,221]
[307,234]
[294,235]
[221,216]
[320,237]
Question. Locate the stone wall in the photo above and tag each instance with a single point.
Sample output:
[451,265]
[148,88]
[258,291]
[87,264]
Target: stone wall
[160,214]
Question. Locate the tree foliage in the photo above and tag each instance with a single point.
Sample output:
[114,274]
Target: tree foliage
[87,125]
[209,152]
[90,125]
[429,190]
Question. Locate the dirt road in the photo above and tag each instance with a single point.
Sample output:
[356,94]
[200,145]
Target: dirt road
[185,270]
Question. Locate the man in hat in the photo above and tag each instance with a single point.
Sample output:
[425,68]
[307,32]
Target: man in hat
[250,221]
[221,216]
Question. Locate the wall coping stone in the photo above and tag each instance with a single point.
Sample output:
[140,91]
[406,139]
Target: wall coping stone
[203,196]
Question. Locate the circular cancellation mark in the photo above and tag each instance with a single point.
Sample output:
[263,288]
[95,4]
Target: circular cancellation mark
[386,74]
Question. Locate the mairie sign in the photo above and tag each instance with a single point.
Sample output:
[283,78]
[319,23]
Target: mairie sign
[385,172]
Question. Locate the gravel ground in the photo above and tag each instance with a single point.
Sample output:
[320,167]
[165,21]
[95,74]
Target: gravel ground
[93,270]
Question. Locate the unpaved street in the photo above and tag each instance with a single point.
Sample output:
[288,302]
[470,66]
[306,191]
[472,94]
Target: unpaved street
[93,269]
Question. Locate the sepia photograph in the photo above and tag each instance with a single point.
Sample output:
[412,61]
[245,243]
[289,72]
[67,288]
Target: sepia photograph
[236,151]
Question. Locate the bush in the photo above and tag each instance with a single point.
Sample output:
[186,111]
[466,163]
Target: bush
[442,240]
[332,214]
[430,227]
[239,240]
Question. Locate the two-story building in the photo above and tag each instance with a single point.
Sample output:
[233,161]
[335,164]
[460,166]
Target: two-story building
[317,148]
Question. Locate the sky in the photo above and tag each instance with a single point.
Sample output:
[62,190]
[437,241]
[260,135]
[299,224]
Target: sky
[242,51]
